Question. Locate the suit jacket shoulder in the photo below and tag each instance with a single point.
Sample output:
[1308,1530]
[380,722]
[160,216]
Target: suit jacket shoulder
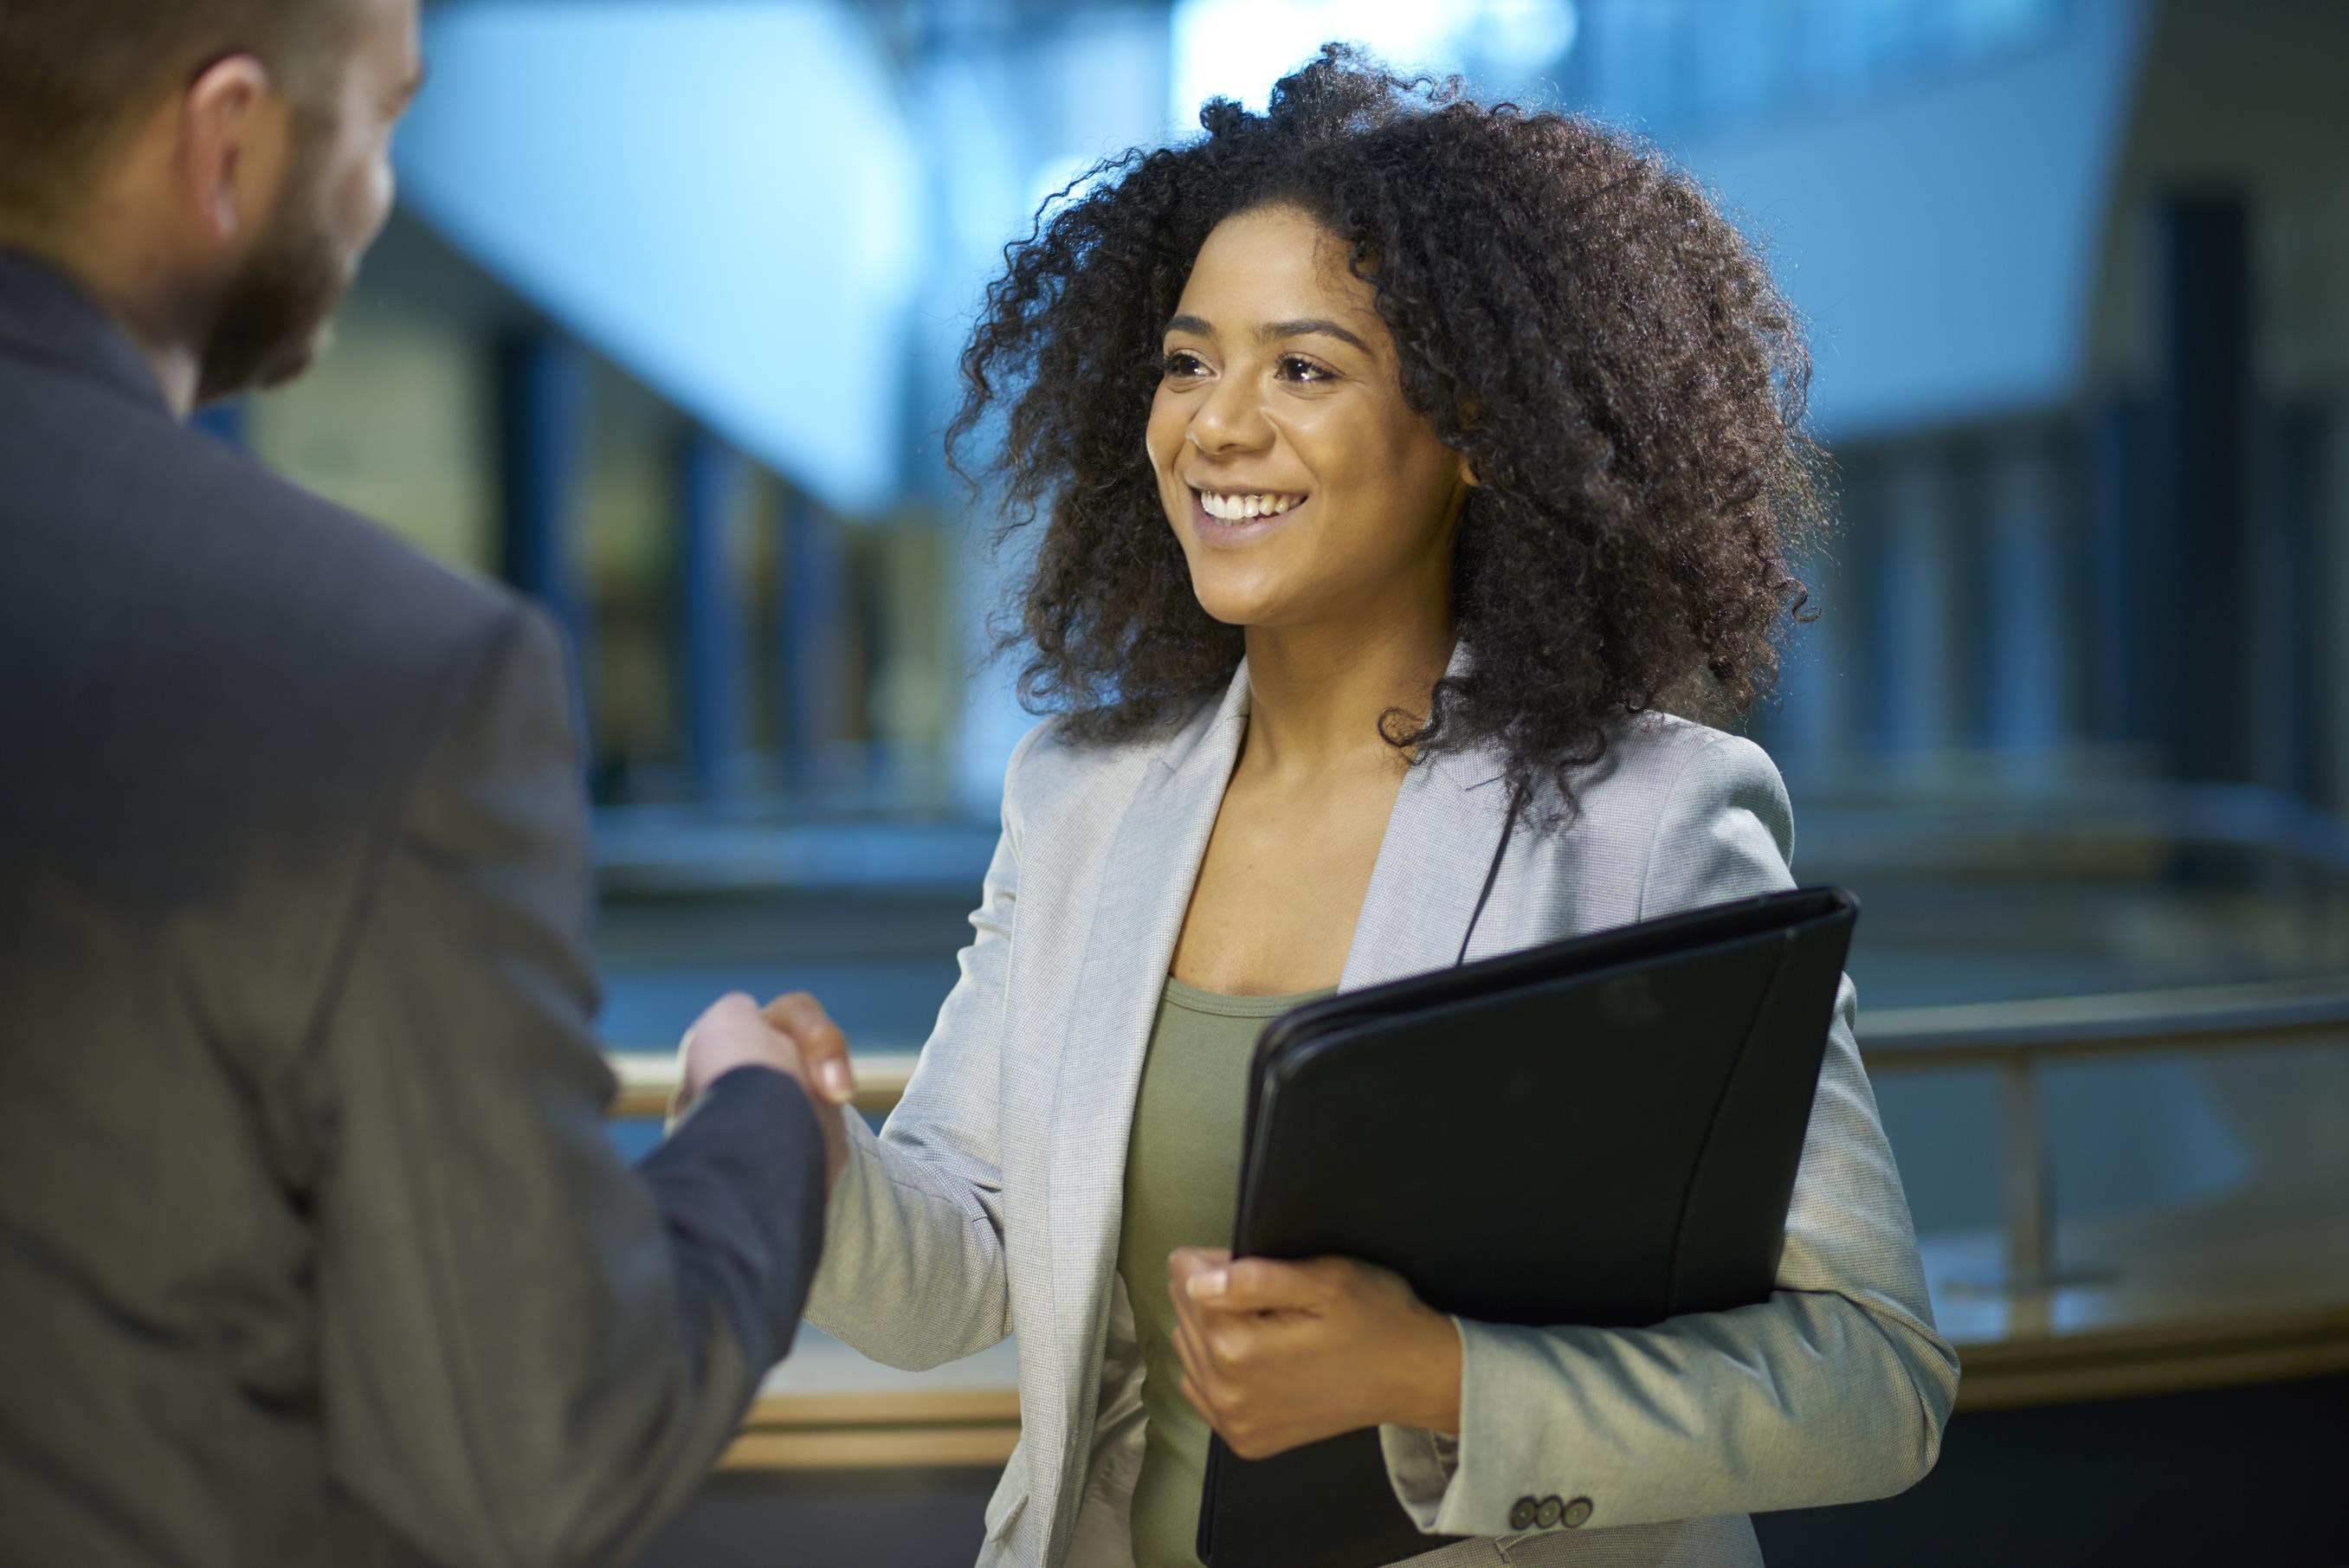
[1055,779]
[237,685]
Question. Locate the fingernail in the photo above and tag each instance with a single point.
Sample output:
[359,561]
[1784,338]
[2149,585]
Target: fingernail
[836,1082]
[1209,1283]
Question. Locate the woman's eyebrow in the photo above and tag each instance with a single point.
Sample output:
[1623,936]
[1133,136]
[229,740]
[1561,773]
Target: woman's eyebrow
[1311,327]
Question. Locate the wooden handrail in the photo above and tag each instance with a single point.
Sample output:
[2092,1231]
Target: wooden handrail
[648,1080]
[892,1430]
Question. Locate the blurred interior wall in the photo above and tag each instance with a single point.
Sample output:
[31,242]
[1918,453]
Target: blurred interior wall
[397,424]
[1979,256]
[2240,102]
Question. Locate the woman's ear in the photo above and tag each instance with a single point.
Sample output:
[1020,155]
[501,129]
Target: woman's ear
[1469,413]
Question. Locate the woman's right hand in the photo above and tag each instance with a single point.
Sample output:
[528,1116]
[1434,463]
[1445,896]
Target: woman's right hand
[792,1035]
[823,1055]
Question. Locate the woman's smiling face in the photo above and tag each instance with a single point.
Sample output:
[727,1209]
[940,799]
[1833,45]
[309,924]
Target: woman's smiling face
[1302,485]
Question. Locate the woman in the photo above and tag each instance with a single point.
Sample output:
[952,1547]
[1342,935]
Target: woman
[1403,459]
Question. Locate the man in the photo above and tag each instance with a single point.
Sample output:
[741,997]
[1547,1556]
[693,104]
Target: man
[312,1246]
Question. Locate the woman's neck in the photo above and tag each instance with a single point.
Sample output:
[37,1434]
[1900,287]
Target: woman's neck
[1317,693]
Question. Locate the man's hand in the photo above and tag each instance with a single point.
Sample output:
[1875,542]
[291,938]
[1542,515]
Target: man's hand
[734,1032]
[1279,1355]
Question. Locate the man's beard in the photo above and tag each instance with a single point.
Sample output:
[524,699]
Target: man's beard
[273,321]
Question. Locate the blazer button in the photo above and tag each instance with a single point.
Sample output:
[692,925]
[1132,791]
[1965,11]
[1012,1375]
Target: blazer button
[1522,1516]
[1547,1513]
[1577,1514]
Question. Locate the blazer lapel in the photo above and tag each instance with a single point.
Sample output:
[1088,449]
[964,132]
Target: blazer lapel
[1432,865]
[1439,844]
[1148,867]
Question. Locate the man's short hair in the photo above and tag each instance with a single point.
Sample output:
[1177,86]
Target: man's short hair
[74,74]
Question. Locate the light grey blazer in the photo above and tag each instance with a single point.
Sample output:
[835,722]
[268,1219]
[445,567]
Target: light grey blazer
[990,1202]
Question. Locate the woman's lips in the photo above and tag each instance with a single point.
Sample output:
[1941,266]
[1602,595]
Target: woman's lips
[1218,530]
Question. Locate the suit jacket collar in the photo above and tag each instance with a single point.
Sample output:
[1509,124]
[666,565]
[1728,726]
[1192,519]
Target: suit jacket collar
[1440,842]
[1471,769]
[46,315]
[1210,728]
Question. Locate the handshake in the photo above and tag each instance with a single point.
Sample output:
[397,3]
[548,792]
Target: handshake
[791,1035]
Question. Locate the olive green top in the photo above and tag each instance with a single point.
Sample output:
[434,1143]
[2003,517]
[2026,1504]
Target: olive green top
[1182,1186]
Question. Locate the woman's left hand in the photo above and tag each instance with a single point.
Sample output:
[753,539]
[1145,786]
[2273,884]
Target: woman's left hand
[1279,1355]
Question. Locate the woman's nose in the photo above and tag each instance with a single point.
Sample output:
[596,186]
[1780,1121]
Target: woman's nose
[1229,420]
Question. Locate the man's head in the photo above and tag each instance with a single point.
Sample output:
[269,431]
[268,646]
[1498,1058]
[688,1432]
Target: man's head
[213,170]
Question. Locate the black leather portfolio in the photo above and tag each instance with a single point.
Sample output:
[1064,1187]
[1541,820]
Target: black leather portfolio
[1598,1132]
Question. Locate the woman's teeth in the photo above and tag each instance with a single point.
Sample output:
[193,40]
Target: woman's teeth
[1240,508]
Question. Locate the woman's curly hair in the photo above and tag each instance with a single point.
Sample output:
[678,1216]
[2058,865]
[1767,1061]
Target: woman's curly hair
[1570,312]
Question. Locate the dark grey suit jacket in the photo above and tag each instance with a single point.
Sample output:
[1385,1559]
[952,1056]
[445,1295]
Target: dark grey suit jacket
[313,1249]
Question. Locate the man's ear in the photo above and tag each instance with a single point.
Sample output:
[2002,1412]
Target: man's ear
[232,150]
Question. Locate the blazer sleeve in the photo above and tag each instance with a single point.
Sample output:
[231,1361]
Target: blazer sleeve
[531,1353]
[1833,1390]
[914,1274]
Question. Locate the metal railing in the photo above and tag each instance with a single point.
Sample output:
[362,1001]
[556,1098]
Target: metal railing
[2018,1040]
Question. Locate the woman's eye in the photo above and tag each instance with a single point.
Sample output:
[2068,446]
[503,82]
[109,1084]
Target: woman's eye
[1296,367]
[1181,364]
